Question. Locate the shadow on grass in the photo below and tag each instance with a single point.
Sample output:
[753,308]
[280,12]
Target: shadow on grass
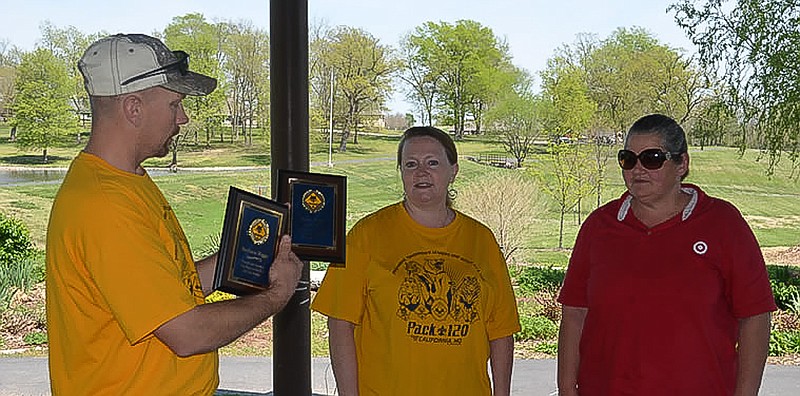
[31,159]
[258,159]
[358,149]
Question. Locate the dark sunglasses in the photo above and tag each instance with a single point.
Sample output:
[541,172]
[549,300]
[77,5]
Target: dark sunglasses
[650,159]
[182,65]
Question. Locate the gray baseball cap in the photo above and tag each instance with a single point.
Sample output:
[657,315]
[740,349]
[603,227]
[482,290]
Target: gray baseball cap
[125,63]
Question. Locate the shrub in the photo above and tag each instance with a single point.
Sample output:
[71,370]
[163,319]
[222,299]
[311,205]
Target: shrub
[548,347]
[536,328]
[786,295]
[509,203]
[784,343]
[20,275]
[533,279]
[15,241]
[784,274]
[35,338]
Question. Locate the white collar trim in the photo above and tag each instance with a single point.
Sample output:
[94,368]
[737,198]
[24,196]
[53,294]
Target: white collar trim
[687,211]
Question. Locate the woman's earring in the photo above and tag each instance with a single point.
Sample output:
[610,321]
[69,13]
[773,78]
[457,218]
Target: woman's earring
[452,193]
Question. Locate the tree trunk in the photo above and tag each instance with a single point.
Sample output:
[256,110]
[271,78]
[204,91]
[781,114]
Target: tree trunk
[13,135]
[343,141]
[173,166]
[561,229]
[44,155]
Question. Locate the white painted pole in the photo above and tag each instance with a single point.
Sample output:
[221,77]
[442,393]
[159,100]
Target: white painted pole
[330,130]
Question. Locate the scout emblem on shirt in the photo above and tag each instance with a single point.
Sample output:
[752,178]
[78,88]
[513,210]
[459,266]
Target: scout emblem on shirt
[437,302]
[258,231]
[313,201]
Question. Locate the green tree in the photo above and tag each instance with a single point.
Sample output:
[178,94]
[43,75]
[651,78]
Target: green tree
[466,65]
[68,45]
[572,113]
[516,118]
[563,176]
[246,65]
[631,73]
[715,120]
[202,41]
[421,81]
[9,60]
[754,44]
[362,69]
[564,85]
[41,107]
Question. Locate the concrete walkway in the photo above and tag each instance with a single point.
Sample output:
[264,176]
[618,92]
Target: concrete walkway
[252,376]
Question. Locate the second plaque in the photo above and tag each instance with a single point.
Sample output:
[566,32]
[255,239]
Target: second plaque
[317,218]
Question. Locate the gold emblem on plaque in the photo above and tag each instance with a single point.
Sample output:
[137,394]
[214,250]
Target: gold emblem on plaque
[313,201]
[258,231]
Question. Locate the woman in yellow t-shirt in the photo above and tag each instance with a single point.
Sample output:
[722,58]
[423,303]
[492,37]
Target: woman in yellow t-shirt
[424,299]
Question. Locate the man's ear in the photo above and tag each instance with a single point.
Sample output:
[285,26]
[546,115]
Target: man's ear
[132,109]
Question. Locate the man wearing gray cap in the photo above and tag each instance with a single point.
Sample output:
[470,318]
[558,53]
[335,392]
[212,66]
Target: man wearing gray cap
[125,299]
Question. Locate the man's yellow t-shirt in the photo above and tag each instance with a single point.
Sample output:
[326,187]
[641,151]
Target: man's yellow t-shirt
[118,267]
[425,301]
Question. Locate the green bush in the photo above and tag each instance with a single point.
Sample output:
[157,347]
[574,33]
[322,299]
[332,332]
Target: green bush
[785,282]
[548,347]
[784,343]
[786,295]
[784,274]
[15,240]
[536,328]
[35,338]
[533,279]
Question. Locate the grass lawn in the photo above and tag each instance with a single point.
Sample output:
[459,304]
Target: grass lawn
[770,204]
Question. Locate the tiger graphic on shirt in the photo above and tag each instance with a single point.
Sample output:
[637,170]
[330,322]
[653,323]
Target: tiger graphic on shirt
[438,297]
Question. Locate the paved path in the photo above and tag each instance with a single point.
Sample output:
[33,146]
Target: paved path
[252,376]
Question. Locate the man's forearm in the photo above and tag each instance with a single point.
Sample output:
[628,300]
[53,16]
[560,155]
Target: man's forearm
[205,271]
[208,327]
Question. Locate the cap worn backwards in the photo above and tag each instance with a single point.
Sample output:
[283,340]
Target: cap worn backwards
[125,63]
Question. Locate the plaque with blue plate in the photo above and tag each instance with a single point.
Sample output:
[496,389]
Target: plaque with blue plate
[251,231]
[317,216]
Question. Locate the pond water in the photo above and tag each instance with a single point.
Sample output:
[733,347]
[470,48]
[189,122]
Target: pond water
[11,177]
[25,176]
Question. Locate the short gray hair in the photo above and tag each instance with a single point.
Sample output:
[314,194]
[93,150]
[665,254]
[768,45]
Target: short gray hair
[672,135]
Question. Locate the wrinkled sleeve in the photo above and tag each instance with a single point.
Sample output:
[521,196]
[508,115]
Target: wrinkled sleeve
[139,277]
[574,291]
[747,285]
[342,293]
[503,317]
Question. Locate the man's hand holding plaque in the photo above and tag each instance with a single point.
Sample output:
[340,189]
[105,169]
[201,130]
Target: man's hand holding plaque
[251,232]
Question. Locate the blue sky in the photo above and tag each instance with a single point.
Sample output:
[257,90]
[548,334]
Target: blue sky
[532,28]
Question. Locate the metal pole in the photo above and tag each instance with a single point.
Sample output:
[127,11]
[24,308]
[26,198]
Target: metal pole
[330,130]
[291,374]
